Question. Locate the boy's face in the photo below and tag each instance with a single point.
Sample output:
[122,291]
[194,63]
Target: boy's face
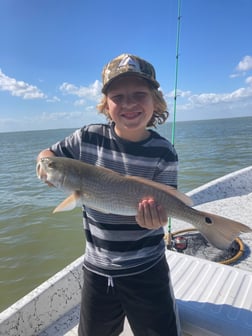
[130,105]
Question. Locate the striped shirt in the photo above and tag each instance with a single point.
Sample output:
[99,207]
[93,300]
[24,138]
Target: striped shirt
[116,245]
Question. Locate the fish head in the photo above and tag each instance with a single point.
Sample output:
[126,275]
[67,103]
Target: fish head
[53,171]
[50,171]
[65,173]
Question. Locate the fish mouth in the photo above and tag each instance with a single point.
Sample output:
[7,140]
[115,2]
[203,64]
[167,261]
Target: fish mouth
[41,174]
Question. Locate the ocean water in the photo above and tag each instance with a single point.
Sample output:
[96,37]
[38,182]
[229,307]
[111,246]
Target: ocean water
[35,244]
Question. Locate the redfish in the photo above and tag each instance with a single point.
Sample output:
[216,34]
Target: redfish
[109,192]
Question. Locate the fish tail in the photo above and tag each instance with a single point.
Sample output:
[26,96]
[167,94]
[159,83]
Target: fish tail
[220,231]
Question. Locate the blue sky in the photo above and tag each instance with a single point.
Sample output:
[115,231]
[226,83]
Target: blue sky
[52,54]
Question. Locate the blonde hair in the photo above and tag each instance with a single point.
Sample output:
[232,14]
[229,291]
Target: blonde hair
[160,114]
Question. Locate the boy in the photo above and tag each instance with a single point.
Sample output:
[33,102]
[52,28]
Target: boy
[125,269]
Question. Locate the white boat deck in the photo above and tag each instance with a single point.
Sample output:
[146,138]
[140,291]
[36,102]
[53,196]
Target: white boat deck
[212,299]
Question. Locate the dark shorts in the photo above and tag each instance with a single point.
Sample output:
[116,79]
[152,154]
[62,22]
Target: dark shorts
[146,299]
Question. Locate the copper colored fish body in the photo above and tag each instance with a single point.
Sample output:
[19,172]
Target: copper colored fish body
[107,191]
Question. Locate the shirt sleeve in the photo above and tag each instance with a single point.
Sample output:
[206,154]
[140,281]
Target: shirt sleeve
[69,147]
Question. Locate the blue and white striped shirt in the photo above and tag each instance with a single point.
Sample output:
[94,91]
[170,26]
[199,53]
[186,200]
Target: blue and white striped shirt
[116,245]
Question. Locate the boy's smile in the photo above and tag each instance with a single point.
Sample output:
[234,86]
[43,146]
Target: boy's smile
[130,105]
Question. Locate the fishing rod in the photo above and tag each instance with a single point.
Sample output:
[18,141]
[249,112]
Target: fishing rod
[176,73]
[175,102]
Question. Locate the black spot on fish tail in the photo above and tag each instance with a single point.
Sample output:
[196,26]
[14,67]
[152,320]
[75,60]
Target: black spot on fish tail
[208,220]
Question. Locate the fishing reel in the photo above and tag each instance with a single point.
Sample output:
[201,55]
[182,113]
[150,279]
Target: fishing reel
[178,244]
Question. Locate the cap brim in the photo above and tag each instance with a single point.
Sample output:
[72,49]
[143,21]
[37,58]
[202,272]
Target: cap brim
[154,83]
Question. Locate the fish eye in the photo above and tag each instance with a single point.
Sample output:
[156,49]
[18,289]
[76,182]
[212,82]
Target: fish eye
[51,164]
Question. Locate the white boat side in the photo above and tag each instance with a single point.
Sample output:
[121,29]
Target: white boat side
[234,184]
[212,299]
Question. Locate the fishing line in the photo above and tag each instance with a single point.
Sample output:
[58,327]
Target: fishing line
[175,100]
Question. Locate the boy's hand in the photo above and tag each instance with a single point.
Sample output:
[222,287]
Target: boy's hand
[44,153]
[150,215]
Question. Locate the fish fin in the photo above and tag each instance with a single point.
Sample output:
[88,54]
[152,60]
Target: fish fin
[221,231]
[72,202]
[69,203]
[168,189]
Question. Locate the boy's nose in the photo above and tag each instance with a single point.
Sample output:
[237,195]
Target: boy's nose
[129,100]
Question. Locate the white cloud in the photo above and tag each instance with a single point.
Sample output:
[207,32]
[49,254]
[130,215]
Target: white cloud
[235,75]
[180,93]
[216,98]
[70,117]
[86,93]
[50,120]
[19,88]
[54,99]
[80,102]
[213,105]
[54,116]
[242,67]
[245,64]
[249,80]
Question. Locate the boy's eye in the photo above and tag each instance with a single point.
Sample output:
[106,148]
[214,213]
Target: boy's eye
[137,96]
[117,98]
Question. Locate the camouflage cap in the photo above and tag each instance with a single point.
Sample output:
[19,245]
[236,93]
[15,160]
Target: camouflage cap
[127,64]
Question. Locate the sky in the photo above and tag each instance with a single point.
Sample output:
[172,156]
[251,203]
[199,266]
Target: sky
[52,53]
